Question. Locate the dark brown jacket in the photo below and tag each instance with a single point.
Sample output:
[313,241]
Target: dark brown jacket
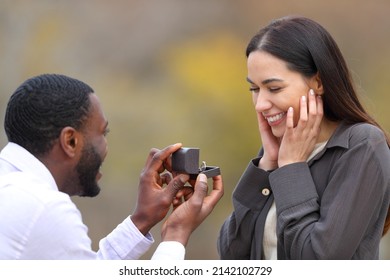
[332,207]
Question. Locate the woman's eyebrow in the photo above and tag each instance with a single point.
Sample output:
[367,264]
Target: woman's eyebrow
[249,80]
[267,81]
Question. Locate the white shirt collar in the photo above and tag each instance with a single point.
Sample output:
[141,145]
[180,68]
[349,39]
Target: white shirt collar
[22,160]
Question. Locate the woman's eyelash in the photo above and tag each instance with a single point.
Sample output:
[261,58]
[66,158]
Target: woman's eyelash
[274,89]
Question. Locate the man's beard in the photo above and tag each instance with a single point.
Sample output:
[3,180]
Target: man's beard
[87,169]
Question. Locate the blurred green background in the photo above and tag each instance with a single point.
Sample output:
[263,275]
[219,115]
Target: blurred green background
[170,71]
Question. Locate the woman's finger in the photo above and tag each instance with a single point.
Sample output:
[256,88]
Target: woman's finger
[313,110]
[303,111]
[290,118]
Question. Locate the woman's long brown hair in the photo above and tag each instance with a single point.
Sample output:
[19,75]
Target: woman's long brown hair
[309,49]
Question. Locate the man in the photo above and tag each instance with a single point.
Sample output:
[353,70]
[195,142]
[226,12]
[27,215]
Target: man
[56,131]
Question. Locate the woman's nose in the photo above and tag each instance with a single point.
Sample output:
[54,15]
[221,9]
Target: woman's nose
[262,102]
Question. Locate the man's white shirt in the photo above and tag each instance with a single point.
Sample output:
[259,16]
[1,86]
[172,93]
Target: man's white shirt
[40,222]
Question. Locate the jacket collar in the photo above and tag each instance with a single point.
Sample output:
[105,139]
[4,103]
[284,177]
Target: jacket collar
[340,138]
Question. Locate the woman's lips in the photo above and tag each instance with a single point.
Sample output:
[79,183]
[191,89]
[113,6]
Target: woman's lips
[275,119]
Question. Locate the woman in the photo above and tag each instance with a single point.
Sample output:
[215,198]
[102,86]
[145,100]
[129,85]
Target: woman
[320,187]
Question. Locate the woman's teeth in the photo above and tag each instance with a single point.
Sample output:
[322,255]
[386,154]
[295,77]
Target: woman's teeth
[275,117]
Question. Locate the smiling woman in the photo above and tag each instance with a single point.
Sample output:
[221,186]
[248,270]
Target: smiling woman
[320,186]
[276,88]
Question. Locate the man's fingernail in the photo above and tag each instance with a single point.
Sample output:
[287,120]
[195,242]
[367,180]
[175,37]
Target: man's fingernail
[202,178]
[183,178]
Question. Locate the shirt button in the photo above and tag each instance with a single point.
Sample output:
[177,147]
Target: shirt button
[265,191]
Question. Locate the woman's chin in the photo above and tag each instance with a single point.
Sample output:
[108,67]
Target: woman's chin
[278,131]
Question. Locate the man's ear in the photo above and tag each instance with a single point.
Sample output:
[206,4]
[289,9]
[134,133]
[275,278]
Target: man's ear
[315,83]
[70,141]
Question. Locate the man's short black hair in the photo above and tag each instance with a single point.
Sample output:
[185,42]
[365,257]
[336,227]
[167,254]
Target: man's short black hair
[41,107]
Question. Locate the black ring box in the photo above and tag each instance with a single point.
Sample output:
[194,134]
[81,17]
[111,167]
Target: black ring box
[186,160]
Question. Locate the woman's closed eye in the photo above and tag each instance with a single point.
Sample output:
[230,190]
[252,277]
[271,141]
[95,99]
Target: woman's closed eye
[275,89]
[254,89]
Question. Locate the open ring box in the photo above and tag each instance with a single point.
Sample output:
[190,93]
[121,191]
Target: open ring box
[186,160]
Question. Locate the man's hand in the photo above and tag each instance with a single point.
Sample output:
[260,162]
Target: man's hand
[187,216]
[154,201]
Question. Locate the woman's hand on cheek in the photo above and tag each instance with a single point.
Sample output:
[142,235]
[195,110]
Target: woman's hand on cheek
[298,142]
[270,143]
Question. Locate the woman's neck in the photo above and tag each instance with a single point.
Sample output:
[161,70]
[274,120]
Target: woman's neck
[327,129]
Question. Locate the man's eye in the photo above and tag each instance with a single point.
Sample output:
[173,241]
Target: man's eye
[254,89]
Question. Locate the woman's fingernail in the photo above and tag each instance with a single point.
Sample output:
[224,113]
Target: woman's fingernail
[311,91]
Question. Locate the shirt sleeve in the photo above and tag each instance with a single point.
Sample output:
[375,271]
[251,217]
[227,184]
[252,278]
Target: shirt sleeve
[169,250]
[125,242]
[59,233]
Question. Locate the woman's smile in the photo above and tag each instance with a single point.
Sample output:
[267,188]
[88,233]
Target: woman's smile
[275,119]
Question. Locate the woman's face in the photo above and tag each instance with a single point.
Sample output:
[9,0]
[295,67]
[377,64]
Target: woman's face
[274,89]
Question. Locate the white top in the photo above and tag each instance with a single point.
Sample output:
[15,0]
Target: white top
[40,222]
[270,239]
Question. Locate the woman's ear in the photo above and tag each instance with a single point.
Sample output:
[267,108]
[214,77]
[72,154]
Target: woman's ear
[316,84]
[69,141]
